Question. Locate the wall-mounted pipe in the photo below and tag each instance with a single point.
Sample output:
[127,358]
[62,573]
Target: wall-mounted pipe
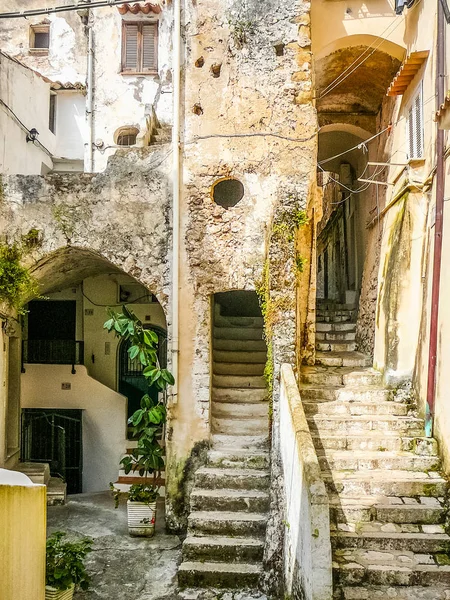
[89,155]
[438,227]
[176,61]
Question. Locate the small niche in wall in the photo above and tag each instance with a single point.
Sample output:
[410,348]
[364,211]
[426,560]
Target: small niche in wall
[227,192]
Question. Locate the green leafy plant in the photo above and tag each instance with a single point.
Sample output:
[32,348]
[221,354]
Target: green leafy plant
[17,284]
[138,492]
[148,421]
[65,562]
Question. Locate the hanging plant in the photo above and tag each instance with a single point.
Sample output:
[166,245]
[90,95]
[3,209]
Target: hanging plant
[17,285]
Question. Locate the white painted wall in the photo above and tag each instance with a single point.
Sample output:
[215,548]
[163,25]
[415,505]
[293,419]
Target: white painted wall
[307,556]
[28,96]
[70,128]
[104,416]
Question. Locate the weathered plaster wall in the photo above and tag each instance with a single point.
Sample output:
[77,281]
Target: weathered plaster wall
[125,99]
[27,96]
[66,58]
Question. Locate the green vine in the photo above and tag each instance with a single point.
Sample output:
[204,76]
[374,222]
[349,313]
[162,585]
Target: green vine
[300,262]
[17,285]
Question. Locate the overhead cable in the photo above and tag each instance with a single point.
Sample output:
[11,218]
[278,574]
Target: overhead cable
[57,9]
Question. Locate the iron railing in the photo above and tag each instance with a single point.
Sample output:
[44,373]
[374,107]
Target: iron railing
[53,352]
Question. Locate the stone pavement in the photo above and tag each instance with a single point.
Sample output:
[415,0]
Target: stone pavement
[123,567]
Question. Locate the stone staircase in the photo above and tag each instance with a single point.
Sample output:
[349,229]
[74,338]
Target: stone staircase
[40,473]
[230,500]
[387,497]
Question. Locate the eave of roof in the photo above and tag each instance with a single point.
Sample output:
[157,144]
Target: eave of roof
[409,69]
[145,8]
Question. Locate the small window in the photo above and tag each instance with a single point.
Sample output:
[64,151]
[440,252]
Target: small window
[227,192]
[52,113]
[126,136]
[414,125]
[40,38]
[140,48]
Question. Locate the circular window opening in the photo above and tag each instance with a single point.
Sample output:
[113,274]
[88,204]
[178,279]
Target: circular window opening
[228,192]
[126,136]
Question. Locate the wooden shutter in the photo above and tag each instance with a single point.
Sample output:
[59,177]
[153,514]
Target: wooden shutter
[130,47]
[149,48]
[415,127]
[140,47]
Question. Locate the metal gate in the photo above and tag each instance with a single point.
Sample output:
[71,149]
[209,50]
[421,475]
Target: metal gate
[131,381]
[54,436]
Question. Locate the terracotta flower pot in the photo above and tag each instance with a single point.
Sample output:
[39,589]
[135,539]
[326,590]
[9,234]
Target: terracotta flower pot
[52,593]
[141,518]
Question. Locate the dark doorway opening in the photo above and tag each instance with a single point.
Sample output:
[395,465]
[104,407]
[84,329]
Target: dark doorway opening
[132,383]
[54,436]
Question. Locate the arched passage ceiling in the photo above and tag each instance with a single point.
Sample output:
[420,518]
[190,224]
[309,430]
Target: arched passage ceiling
[357,99]
[68,267]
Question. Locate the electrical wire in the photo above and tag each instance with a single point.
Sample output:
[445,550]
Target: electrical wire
[342,76]
[249,135]
[24,127]
[356,147]
[57,9]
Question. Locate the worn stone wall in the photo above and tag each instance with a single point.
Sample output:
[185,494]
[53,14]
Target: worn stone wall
[121,216]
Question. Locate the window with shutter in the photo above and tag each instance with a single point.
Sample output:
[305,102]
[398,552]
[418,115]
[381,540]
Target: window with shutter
[415,127]
[140,48]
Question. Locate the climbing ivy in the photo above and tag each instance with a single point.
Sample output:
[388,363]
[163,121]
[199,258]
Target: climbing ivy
[17,285]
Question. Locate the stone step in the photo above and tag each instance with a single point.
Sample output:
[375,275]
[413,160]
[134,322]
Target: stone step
[340,460]
[56,492]
[227,549]
[385,592]
[345,358]
[342,336]
[236,479]
[236,458]
[240,442]
[391,441]
[227,523]
[38,472]
[239,381]
[227,368]
[359,423]
[326,376]
[420,543]
[385,483]
[345,394]
[231,356]
[335,327]
[218,575]
[240,345]
[332,317]
[386,568]
[336,346]
[338,407]
[240,426]
[238,333]
[387,509]
[230,410]
[256,501]
[239,395]
[253,322]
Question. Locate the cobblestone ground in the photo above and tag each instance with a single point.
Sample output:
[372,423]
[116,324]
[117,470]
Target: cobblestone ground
[123,567]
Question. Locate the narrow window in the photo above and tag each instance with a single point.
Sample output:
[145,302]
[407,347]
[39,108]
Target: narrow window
[52,113]
[140,48]
[415,126]
[40,38]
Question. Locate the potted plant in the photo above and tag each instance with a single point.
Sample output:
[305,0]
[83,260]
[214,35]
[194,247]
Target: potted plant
[65,568]
[147,423]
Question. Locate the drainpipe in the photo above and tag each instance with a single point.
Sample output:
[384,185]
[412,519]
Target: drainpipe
[440,190]
[176,61]
[89,156]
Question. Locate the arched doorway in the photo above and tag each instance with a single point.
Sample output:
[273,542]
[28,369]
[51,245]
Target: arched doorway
[131,382]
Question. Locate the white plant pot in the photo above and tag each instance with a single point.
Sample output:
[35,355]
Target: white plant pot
[141,518]
[52,593]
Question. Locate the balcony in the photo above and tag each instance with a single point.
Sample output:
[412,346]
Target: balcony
[53,352]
